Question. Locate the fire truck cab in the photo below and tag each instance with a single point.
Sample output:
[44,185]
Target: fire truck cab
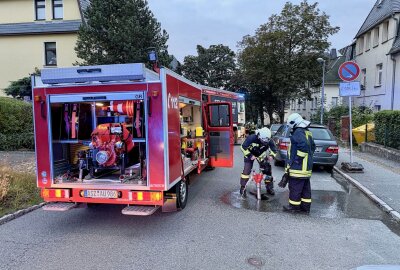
[123,134]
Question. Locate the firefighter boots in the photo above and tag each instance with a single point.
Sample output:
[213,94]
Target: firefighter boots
[243,192]
[291,209]
[270,188]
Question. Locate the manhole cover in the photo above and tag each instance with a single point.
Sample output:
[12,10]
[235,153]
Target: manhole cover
[256,261]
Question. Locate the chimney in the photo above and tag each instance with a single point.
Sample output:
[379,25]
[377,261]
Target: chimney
[333,54]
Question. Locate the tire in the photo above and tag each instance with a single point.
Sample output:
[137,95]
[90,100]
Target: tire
[278,163]
[329,168]
[181,191]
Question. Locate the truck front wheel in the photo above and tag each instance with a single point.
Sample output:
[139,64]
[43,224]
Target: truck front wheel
[181,194]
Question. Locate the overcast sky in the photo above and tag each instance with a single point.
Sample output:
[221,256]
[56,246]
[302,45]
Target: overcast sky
[208,22]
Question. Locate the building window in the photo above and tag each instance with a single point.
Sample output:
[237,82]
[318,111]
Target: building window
[304,104]
[40,9]
[57,9]
[385,34]
[379,75]
[298,104]
[377,108]
[376,37]
[360,45]
[363,79]
[335,101]
[50,53]
[368,41]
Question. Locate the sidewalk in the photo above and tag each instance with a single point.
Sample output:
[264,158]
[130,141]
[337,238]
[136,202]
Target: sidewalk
[381,176]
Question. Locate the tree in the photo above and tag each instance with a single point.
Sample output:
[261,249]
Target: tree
[21,88]
[120,31]
[212,67]
[280,60]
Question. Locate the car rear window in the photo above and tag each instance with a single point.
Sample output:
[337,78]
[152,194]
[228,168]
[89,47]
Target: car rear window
[280,131]
[275,127]
[321,134]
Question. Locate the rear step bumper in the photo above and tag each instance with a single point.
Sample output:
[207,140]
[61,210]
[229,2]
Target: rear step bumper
[130,210]
[139,210]
[61,207]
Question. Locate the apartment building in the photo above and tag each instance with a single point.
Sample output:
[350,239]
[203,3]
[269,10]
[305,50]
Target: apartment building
[37,33]
[378,55]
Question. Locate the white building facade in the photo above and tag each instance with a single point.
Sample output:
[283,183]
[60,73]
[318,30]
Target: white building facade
[377,53]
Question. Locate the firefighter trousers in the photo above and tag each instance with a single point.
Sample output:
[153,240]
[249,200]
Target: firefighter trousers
[265,167]
[300,193]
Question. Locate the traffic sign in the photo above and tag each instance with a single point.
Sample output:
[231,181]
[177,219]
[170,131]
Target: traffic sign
[349,71]
[350,89]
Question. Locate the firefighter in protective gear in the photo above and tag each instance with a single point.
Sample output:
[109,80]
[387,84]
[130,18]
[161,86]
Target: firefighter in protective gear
[299,164]
[258,146]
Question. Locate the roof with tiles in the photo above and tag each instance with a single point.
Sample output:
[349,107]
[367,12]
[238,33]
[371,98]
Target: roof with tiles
[332,73]
[382,10]
[37,28]
[396,46]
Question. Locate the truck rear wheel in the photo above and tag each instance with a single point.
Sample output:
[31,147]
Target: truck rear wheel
[181,191]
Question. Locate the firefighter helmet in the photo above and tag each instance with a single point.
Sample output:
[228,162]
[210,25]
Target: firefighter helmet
[264,134]
[296,120]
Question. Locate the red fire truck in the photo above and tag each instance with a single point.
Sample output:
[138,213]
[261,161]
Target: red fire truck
[123,134]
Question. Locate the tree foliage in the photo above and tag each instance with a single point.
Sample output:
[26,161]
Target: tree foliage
[280,60]
[21,88]
[212,67]
[120,31]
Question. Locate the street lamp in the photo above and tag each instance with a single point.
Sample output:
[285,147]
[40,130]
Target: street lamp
[322,61]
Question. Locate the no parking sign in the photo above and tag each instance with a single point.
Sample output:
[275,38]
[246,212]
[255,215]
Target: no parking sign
[349,71]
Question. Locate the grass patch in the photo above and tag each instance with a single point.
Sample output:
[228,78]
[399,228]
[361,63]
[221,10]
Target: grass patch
[17,191]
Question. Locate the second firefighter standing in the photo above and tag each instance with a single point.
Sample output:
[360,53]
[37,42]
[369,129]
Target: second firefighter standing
[258,146]
[299,164]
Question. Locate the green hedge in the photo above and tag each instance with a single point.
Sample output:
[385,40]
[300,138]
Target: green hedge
[16,124]
[360,115]
[387,128]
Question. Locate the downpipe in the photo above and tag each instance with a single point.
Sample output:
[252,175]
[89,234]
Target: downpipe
[393,81]
[394,65]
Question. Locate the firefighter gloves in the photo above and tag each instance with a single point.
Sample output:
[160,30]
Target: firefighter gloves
[284,181]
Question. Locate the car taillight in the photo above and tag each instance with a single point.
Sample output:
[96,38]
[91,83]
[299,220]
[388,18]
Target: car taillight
[332,150]
[283,146]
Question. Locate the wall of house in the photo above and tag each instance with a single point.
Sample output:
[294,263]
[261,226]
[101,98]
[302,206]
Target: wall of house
[397,84]
[376,96]
[17,11]
[21,54]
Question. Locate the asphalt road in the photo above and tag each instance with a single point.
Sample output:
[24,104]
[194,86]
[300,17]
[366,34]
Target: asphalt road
[215,231]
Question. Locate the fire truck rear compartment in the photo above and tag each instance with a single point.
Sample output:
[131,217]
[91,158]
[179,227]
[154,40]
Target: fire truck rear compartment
[99,142]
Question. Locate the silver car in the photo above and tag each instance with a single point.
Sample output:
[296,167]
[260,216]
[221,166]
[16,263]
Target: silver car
[274,128]
[326,152]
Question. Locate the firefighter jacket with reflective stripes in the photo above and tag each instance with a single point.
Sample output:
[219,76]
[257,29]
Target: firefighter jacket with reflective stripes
[300,153]
[253,146]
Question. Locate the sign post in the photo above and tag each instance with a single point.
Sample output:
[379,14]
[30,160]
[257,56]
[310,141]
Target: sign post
[349,72]
[351,131]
